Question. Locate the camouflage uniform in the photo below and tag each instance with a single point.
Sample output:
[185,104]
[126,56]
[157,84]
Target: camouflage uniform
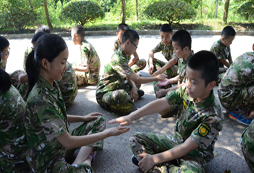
[113,89]
[200,121]
[22,88]
[167,52]
[68,85]
[221,52]
[12,132]
[46,119]
[89,57]
[139,65]
[237,85]
[247,145]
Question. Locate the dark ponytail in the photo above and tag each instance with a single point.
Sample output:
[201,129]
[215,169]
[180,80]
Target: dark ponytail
[5,81]
[48,46]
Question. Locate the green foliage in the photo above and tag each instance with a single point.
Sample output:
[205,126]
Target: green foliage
[16,14]
[170,11]
[247,9]
[82,11]
[107,4]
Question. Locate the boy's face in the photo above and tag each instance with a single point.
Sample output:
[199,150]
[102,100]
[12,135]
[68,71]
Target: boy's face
[195,85]
[227,41]
[166,38]
[119,35]
[76,39]
[178,50]
[130,47]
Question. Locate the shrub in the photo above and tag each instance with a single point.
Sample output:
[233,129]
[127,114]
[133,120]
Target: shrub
[82,11]
[247,10]
[17,14]
[170,11]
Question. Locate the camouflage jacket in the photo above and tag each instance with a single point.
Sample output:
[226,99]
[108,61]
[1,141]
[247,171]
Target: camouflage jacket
[167,51]
[182,68]
[239,75]
[12,132]
[45,120]
[3,64]
[89,57]
[221,51]
[200,121]
[115,74]
[117,44]
[68,85]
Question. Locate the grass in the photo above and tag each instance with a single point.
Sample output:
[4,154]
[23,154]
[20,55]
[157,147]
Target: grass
[108,24]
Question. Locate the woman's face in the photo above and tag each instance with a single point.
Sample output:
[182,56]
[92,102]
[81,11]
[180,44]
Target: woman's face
[5,53]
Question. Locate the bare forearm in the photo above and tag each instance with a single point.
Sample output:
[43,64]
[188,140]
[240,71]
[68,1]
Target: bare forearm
[169,64]
[151,108]
[75,118]
[81,69]
[151,57]
[174,80]
[225,62]
[132,84]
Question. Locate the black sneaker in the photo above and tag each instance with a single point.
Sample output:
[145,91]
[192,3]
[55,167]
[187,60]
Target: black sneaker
[134,160]
[140,93]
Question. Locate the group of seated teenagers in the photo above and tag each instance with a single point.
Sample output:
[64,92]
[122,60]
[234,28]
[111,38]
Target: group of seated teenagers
[34,101]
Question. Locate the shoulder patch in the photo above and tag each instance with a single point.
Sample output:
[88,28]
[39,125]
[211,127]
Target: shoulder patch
[203,130]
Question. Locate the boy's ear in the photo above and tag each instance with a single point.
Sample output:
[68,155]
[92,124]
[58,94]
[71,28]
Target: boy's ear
[186,48]
[223,38]
[211,85]
[45,63]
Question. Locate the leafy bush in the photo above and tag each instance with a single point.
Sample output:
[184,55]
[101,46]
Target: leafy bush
[170,11]
[17,14]
[82,11]
[247,9]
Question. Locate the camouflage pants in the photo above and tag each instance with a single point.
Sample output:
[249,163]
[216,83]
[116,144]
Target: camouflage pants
[247,146]
[91,127]
[156,143]
[139,65]
[222,71]
[171,72]
[243,99]
[87,78]
[21,87]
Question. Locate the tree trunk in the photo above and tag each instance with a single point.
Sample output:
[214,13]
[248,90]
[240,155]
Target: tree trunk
[30,4]
[47,14]
[136,10]
[201,8]
[225,16]
[216,9]
[124,11]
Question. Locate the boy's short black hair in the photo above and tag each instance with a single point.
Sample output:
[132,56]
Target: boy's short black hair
[5,81]
[130,34]
[123,27]
[207,64]
[78,29]
[42,28]
[228,31]
[166,28]
[182,38]
[3,43]
[36,36]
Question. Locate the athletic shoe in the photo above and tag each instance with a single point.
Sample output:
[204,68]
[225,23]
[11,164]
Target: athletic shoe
[239,115]
[140,93]
[134,160]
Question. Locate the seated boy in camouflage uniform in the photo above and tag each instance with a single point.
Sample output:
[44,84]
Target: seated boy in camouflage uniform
[181,42]
[136,64]
[221,49]
[87,66]
[197,127]
[117,88]
[236,89]
[165,47]
[13,141]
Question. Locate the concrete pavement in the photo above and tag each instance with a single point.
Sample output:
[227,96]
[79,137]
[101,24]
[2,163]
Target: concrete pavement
[115,158]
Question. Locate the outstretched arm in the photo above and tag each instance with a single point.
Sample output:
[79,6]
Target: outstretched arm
[141,80]
[134,60]
[151,108]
